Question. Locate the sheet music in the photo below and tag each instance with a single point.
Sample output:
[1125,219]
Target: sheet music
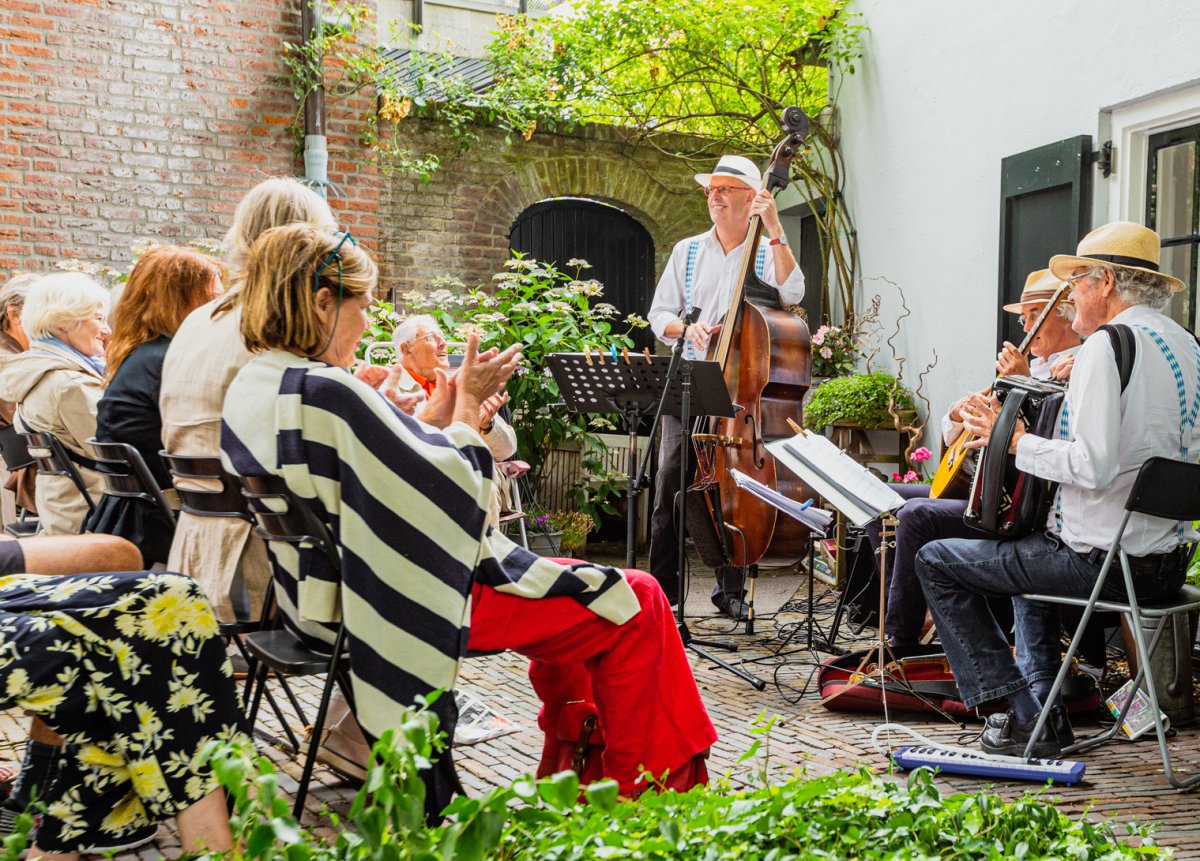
[846,484]
[816,519]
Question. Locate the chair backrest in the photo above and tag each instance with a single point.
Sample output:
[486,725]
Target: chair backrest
[1166,488]
[218,496]
[381,353]
[52,459]
[126,475]
[14,449]
[283,516]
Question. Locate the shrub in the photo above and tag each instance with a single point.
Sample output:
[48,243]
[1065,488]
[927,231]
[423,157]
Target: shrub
[861,399]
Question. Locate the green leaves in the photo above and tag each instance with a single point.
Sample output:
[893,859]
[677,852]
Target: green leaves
[852,816]
[860,399]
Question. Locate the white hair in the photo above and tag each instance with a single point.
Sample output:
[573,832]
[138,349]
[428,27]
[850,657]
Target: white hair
[410,328]
[1137,286]
[56,303]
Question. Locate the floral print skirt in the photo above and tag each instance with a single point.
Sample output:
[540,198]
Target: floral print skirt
[130,669]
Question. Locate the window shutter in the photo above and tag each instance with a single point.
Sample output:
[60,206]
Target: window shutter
[1045,209]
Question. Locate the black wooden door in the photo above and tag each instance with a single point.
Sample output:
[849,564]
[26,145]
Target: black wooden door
[1045,208]
[618,247]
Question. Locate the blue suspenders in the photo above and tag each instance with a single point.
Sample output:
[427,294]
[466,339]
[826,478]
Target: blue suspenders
[689,275]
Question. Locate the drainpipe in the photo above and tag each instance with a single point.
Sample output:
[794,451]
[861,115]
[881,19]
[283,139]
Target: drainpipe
[316,155]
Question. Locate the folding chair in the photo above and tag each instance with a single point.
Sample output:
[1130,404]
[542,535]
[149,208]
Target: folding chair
[206,490]
[126,475]
[512,471]
[1164,488]
[14,449]
[53,459]
[283,516]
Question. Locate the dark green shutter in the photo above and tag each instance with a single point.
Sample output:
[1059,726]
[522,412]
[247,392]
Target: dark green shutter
[1045,208]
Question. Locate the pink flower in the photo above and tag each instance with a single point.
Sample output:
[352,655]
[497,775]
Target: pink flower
[819,338]
[911,477]
[827,353]
[896,477]
[920,455]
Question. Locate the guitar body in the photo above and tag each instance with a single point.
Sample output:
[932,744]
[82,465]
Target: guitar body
[953,477]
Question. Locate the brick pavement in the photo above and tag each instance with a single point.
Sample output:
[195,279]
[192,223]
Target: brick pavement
[1123,781]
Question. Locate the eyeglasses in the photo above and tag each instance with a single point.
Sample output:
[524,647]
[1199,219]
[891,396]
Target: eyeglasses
[335,254]
[1072,279]
[723,190]
[435,338]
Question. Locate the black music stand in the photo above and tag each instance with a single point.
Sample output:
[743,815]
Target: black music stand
[632,383]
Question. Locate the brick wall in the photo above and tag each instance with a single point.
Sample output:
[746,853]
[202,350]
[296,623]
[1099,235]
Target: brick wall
[458,224]
[125,121]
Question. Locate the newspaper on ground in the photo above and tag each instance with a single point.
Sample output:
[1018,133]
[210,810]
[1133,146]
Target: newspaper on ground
[477,722]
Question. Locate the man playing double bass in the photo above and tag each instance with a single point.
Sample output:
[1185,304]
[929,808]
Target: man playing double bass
[701,274]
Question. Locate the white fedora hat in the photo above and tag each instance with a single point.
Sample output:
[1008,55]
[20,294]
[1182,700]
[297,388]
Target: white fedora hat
[1123,244]
[734,167]
[1039,287]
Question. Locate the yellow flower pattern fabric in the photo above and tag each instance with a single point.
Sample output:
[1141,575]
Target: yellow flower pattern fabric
[131,670]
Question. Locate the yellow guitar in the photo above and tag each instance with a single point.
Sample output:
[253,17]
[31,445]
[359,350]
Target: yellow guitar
[952,477]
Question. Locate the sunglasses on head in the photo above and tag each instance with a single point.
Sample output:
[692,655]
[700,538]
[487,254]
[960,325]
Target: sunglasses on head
[335,254]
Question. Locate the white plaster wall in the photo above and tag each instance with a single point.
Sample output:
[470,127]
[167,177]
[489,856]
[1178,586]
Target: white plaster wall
[944,91]
[465,29]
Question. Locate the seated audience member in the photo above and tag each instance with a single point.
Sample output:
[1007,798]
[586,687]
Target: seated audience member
[123,650]
[57,383]
[166,284]
[22,483]
[423,577]
[223,553]
[1111,433]
[421,353]
[923,520]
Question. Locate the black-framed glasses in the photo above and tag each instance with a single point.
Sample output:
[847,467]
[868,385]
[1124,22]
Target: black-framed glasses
[335,254]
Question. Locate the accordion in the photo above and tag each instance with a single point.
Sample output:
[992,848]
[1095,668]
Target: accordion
[1003,500]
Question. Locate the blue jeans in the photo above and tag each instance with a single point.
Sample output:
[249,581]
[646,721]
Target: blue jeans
[958,575]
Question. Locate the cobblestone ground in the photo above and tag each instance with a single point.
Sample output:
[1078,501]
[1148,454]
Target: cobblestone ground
[1124,781]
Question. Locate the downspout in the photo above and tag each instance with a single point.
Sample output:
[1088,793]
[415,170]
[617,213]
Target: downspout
[316,154]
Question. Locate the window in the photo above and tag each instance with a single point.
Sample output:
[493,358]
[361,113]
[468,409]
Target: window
[1173,210]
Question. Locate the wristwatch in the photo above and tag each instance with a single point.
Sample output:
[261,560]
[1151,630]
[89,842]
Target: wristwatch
[780,240]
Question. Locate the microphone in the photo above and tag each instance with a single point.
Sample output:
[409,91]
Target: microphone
[691,317]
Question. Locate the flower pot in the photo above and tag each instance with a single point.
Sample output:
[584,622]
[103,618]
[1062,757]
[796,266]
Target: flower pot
[544,543]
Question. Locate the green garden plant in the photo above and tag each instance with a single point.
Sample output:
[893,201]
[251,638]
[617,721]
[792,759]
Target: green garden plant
[546,310]
[845,815]
[860,399]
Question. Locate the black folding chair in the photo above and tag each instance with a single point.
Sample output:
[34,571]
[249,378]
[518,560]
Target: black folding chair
[206,490]
[14,450]
[1164,488]
[126,475]
[283,516]
[53,459]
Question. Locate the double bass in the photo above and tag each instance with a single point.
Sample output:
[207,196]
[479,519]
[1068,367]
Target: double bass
[766,356]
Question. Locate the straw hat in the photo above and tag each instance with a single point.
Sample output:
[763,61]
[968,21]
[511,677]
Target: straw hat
[1121,244]
[734,167]
[1039,287]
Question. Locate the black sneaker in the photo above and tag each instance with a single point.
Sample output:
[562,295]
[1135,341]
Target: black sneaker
[1003,736]
[733,607]
[129,840]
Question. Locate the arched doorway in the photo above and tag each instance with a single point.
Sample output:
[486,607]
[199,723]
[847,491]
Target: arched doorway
[617,245]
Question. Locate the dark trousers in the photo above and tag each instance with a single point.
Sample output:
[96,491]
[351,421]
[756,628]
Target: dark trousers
[664,537]
[919,522]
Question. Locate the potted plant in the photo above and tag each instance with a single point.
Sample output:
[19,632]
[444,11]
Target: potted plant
[559,532]
[864,401]
[835,351]
[547,311]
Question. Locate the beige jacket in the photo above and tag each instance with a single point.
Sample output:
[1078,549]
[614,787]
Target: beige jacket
[221,553]
[56,392]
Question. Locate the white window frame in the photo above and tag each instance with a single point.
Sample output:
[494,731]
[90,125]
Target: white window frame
[1129,126]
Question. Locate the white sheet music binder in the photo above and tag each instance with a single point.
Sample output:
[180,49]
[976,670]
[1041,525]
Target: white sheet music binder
[816,519]
[845,484]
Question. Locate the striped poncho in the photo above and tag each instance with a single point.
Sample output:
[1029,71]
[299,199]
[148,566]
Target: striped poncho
[407,503]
